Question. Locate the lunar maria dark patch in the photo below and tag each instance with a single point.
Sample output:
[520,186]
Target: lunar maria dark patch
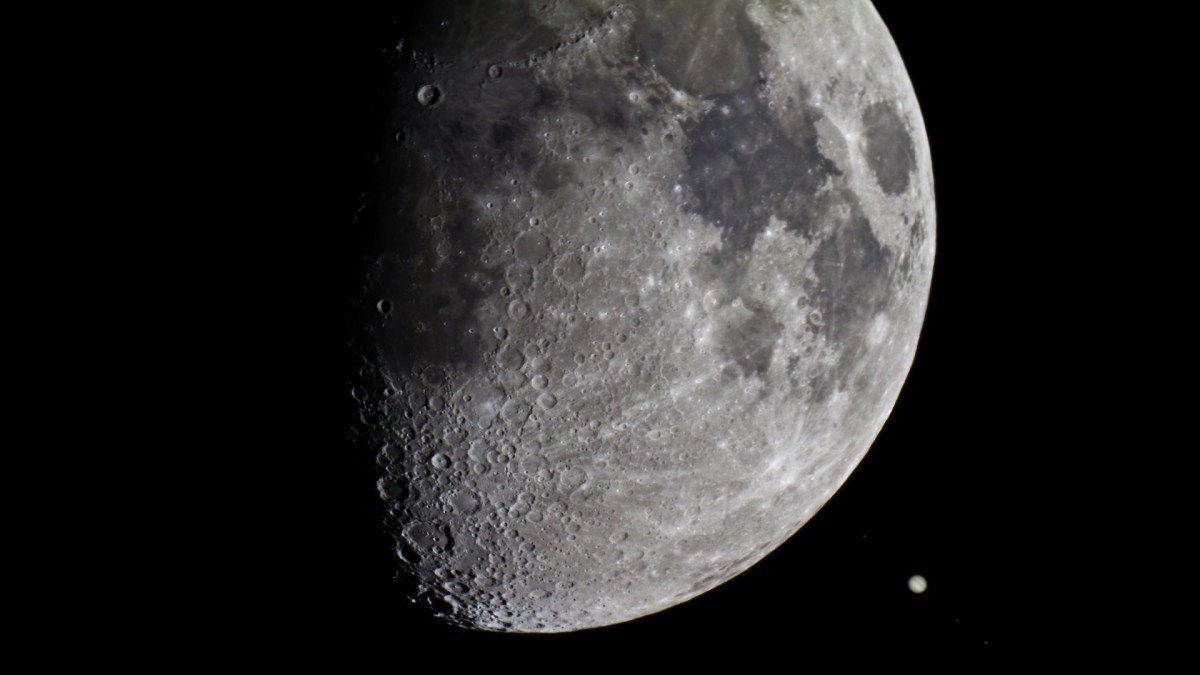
[743,169]
[890,152]
[711,58]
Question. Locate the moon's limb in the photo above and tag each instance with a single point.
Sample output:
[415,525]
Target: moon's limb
[648,281]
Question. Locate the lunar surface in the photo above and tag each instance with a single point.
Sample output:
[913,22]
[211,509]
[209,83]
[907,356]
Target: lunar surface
[645,281]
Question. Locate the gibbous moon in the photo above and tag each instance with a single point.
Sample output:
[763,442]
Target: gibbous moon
[646,280]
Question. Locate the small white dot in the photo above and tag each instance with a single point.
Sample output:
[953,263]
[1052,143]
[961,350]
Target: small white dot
[917,584]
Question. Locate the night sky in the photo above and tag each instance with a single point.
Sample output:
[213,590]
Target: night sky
[956,487]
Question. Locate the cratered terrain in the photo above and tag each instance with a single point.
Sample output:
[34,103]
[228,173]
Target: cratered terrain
[644,284]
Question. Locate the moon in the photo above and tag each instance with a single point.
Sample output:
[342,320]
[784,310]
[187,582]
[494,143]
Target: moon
[645,280]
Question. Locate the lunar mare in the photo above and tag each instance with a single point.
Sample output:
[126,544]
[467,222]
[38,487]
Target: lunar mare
[647,280]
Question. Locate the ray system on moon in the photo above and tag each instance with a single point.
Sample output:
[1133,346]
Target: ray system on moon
[646,281]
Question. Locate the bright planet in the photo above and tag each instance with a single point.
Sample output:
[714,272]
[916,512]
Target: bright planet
[645,280]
